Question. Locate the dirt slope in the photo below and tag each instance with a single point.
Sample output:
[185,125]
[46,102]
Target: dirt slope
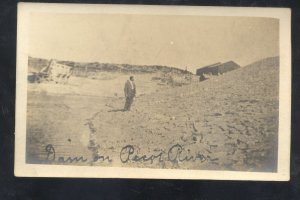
[231,121]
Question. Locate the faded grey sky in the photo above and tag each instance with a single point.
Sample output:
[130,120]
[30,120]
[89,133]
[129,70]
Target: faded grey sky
[179,41]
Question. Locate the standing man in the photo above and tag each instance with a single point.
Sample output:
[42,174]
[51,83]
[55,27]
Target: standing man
[130,92]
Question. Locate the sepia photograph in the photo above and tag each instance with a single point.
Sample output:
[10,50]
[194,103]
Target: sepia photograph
[175,92]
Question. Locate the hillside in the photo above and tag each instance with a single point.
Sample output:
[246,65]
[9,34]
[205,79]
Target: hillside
[229,122]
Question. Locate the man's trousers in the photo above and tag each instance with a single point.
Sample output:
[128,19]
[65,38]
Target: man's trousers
[128,103]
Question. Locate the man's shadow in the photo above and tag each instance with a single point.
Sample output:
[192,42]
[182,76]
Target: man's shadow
[116,110]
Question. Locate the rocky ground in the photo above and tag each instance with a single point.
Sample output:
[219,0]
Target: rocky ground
[229,122]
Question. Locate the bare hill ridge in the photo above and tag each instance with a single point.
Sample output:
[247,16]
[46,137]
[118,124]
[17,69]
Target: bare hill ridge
[36,64]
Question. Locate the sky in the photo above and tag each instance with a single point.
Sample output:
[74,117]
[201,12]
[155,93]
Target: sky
[180,41]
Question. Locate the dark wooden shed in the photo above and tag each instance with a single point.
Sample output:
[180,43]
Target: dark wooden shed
[217,68]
